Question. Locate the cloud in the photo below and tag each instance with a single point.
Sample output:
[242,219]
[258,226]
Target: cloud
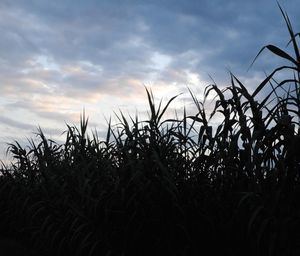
[20,125]
[58,57]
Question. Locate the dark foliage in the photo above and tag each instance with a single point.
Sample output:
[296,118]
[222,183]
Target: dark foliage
[168,187]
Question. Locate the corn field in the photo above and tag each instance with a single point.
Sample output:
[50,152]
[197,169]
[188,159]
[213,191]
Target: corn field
[180,186]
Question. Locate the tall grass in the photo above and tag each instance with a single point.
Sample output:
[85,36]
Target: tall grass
[179,186]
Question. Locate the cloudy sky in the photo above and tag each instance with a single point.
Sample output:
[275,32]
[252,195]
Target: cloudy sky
[60,56]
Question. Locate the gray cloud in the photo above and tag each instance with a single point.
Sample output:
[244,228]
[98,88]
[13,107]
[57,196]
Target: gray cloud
[16,124]
[121,36]
[58,56]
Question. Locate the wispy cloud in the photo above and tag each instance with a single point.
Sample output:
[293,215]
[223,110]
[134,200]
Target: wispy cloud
[58,57]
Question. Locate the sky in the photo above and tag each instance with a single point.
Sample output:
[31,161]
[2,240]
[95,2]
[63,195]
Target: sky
[59,57]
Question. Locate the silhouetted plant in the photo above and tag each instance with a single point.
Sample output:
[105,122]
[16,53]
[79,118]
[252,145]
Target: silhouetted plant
[181,186]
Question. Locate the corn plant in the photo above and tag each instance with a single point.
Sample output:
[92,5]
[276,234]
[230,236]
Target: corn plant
[181,186]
